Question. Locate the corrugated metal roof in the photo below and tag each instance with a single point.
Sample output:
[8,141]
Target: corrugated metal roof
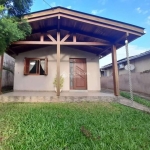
[130,58]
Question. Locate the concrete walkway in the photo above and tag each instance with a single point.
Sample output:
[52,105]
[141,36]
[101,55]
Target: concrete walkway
[133,104]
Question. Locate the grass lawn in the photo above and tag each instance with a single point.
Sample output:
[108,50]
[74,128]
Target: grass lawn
[73,126]
[136,99]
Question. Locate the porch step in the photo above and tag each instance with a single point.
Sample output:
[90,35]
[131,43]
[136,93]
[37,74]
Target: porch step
[33,99]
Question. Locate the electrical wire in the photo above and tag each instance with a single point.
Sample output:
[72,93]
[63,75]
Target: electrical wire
[47,3]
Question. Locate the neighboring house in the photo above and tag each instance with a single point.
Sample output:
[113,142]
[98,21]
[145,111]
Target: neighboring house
[8,71]
[68,43]
[140,63]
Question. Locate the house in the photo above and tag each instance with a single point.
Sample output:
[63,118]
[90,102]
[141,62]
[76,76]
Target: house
[69,43]
[139,63]
[8,72]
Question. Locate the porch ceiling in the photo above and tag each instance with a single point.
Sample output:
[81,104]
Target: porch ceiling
[87,28]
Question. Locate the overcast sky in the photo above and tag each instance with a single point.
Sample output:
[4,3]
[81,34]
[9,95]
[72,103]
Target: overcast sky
[136,12]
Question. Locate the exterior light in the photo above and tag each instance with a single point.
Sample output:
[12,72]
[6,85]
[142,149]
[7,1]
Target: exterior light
[126,41]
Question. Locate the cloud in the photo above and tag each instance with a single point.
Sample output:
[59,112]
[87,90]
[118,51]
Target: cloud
[103,2]
[121,53]
[140,11]
[53,4]
[97,12]
[148,20]
[69,7]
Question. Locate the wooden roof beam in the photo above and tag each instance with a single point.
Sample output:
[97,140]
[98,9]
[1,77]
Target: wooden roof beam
[42,38]
[35,43]
[12,51]
[74,31]
[74,38]
[96,47]
[96,36]
[85,48]
[44,30]
[54,43]
[65,38]
[42,18]
[58,24]
[83,43]
[51,38]
[62,42]
[101,24]
[62,10]
[122,38]
[117,42]
[105,50]
[25,48]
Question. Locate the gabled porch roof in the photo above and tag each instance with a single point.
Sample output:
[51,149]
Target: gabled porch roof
[100,33]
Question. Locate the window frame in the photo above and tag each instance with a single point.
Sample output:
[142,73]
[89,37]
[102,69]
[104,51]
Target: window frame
[27,66]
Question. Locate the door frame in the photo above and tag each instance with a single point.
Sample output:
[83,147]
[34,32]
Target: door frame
[71,88]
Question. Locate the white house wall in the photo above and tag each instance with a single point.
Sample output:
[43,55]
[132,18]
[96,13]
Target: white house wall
[45,83]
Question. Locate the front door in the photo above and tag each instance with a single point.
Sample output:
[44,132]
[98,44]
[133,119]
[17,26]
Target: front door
[78,74]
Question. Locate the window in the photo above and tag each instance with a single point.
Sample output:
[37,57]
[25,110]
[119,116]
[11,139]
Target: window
[35,66]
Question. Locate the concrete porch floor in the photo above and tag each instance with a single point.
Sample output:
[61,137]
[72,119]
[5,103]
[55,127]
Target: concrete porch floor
[69,93]
[71,96]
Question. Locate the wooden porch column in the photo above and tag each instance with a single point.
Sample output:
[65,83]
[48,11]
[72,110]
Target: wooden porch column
[1,69]
[58,63]
[115,71]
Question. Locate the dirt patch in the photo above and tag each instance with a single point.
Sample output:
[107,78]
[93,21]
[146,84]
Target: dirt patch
[1,139]
[88,134]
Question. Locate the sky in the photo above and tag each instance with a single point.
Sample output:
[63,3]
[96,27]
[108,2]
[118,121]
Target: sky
[136,12]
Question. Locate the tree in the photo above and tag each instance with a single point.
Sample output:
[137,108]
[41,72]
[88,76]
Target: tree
[12,25]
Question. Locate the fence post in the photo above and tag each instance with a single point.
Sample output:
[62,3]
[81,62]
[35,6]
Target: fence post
[129,71]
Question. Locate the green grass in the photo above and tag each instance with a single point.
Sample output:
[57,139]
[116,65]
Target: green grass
[73,126]
[136,99]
